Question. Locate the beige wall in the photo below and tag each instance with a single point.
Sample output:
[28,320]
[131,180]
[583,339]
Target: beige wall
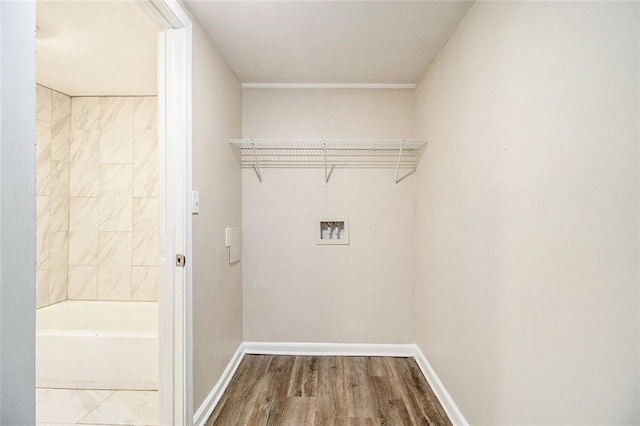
[526,295]
[217,286]
[52,195]
[295,290]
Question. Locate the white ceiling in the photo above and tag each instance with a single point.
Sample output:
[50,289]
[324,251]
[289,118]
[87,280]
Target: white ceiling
[96,48]
[108,47]
[329,41]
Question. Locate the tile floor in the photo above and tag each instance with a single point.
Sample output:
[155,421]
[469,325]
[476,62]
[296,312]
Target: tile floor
[60,407]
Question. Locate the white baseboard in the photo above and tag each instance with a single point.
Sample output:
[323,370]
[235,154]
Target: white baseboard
[329,349]
[202,415]
[438,388]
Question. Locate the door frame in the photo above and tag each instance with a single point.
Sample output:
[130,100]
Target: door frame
[17,217]
[175,188]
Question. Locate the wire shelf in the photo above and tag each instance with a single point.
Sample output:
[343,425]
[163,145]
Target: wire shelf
[328,154]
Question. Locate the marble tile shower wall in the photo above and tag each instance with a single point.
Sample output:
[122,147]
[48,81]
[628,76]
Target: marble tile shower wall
[52,195]
[113,205]
[110,243]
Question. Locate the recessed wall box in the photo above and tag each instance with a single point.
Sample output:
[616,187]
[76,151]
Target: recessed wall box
[332,231]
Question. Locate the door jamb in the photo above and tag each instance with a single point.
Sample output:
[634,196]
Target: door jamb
[174,156]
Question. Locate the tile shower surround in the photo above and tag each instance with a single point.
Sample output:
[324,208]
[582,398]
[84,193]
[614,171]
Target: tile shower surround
[97,198]
[52,195]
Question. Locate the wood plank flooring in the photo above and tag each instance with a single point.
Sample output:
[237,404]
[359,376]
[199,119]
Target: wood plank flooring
[310,390]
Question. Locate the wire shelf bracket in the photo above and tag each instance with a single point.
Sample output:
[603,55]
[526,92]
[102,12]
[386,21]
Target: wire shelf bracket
[256,166]
[327,175]
[330,154]
[397,181]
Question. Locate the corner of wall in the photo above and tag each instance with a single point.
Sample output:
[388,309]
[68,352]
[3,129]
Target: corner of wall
[217,286]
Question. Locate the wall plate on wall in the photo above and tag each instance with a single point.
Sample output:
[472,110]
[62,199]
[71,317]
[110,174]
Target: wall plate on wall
[332,231]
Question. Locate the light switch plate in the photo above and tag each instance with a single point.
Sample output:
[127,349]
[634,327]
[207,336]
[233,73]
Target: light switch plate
[195,202]
[227,237]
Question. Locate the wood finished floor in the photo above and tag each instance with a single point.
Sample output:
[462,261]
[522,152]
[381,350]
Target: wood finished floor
[310,390]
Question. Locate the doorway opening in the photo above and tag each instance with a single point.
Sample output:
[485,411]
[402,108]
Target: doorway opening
[111,335]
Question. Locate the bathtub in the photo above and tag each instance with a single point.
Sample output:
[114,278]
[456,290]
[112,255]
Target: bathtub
[97,345]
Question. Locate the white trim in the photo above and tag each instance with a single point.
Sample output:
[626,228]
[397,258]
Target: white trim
[174,156]
[211,401]
[392,86]
[329,349]
[438,388]
[178,220]
[165,277]
[167,14]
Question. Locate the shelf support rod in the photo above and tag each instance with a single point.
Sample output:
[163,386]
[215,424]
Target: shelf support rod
[327,175]
[256,166]
[415,169]
[324,148]
[399,160]
[405,176]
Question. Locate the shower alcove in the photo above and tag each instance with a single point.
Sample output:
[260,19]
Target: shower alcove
[97,241]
